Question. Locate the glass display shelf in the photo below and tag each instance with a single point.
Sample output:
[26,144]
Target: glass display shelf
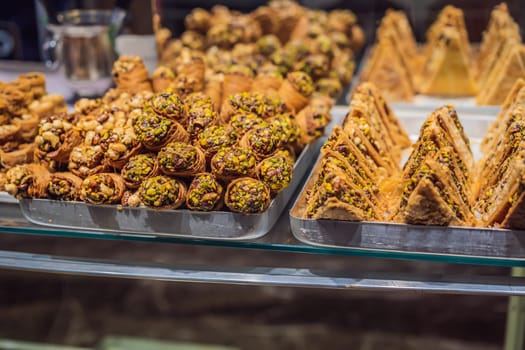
[278,239]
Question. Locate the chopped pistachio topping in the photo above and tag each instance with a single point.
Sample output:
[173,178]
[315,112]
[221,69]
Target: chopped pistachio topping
[204,192]
[301,82]
[248,196]
[159,191]
[177,156]
[216,137]
[275,172]
[138,168]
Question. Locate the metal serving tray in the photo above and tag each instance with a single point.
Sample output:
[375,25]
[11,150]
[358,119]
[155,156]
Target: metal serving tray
[437,240]
[176,223]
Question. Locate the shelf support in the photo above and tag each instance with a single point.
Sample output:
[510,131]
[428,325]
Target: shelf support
[515,328]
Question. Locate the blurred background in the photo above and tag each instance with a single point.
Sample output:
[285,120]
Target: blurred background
[22,22]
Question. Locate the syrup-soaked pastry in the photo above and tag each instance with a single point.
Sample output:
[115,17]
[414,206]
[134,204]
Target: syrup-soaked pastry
[181,159]
[102,188]
[285,127]
[155,131]
[200,113]
[37,81]
[168,105]
[275,172]
[269,78]
[130,74]
[64,186]
[27,181]
[262,141]
[162,192]
[139,168]
[268,44]
[86,160]
[204,193]
[233,162]
[263,105]
[198,20]
[247,195]
[216,137]
[330,87]
[243,122]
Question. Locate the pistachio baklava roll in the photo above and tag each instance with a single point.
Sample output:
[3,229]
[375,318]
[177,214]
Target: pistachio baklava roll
[181,159]
[169,105]
[247,196]
[14,153]
[285,127]
[162,78]
[64,186]
[233,162]
[215,137]
[267,19]
[102,188]
[296,90]
[243,122]
[155,131]
[86,160]
[262,141]
[275,172]
[343,67]
[204,193]
[27,181]
[162,192]
[263,105]
[139,168]
[193,40]
[200,113]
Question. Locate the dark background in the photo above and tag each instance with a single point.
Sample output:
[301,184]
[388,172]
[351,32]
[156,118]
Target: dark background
[18,19]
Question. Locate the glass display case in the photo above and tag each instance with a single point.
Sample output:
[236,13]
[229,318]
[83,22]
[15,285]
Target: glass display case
[31,240]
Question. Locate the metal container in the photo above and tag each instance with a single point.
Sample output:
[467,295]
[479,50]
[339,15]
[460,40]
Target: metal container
[176,223]
[83,43]
[395,237]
